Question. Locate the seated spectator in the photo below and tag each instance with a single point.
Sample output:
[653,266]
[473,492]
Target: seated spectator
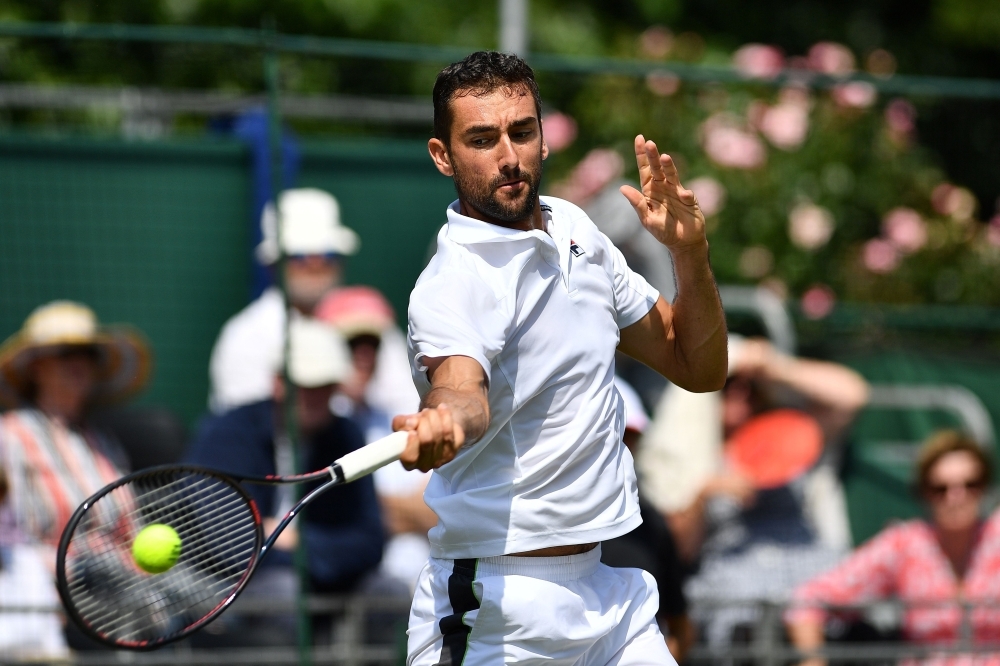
[363,316]
[250,344]
[58,366]
[341,530]
[651,545]
[55,369]
[26,581]
[752,540]
[933,566]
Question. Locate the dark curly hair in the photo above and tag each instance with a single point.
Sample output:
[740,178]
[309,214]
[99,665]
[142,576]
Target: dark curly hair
[480,73]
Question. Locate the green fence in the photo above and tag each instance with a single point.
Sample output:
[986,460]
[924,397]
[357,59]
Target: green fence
[157,234]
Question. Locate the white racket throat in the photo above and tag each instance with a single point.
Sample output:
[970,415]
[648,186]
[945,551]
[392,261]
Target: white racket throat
[367,459]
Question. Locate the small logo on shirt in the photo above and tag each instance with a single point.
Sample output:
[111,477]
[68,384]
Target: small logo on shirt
[575,249]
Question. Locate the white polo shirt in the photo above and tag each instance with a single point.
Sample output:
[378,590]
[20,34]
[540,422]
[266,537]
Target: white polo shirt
[541,313]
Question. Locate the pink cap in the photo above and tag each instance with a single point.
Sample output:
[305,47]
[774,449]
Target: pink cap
[356,311]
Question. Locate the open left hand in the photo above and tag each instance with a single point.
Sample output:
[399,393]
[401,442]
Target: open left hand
[665,208]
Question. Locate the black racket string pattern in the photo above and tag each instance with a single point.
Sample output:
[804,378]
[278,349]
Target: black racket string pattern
[119,602]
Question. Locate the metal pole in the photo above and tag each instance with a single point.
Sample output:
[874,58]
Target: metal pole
[289,422]
[514,26]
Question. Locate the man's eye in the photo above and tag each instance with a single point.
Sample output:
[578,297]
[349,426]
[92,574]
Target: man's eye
[480,142]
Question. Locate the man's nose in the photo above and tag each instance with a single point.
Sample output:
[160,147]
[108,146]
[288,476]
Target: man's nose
[508,156]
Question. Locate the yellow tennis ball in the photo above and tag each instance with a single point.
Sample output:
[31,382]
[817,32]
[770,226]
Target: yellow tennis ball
[156,548]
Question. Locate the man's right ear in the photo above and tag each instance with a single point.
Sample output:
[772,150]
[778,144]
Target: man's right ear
[439,153]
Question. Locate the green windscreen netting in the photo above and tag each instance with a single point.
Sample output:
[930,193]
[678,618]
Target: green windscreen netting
[156,234]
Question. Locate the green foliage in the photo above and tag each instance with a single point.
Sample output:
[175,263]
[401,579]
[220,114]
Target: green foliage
[851,166]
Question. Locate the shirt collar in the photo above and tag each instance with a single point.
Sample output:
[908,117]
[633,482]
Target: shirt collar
[468,231]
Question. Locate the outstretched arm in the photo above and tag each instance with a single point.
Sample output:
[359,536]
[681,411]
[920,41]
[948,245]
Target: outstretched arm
[685,341]
[455,411]
[835,391]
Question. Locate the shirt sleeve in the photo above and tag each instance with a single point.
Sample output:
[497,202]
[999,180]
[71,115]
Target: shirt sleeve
[867,574]
[634,297]
[454,313]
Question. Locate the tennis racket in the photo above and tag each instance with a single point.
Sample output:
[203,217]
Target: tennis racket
[116,602]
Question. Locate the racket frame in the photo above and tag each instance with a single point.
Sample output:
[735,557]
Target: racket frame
[333,475]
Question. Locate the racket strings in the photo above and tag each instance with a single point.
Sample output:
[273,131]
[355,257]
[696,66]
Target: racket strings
[121,602]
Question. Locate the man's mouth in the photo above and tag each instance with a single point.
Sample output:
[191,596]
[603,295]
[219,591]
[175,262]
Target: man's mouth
[511,185]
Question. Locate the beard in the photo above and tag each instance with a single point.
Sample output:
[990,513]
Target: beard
[485,196]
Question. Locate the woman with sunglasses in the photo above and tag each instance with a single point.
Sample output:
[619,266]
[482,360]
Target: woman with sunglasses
[932,566]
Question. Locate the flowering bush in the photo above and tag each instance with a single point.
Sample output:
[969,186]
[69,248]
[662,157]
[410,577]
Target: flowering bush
[822,195]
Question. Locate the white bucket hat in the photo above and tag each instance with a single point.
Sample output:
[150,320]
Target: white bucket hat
[124,359]
[310,220]
[317,354]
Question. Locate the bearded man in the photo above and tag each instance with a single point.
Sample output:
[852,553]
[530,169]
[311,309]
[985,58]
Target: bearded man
[513,328]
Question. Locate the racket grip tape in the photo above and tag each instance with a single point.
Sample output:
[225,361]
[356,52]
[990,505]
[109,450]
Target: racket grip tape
[367,459]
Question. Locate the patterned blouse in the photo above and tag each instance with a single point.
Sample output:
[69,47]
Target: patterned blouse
[51,469]
[906,562]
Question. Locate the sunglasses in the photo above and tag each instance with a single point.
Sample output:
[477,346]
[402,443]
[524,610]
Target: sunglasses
[937,491]
[329,257]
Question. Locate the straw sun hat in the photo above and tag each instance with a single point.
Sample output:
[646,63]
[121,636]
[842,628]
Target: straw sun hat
[123,356]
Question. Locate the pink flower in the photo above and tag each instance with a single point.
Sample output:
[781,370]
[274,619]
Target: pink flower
[663,84]
[831,58]
[905,229]
[559,130]
[710,193]
[755,262]
[956,202]
[855,94]
[818,301]
[656,41]
[729,145]
[786,124]
[759,61]
[598,168]
[810,226]
[993,231]
[880,256]
[901,117]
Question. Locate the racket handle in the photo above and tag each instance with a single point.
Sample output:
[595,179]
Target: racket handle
[367,459]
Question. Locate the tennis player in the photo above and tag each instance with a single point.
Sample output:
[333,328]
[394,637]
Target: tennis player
[513,328]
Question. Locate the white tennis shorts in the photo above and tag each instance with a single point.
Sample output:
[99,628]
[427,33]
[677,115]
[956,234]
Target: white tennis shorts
[533,610]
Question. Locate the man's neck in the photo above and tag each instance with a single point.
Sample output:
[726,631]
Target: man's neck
[533,221]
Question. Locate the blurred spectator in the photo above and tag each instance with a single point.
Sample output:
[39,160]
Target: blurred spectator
[26,581]
[341,530]
[250,344]
[58,366]
[752,539]
[651,545]
[934,565]
[362,315]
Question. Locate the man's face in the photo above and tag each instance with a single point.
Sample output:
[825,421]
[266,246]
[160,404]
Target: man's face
[309,277]
[313,407]
[495,154]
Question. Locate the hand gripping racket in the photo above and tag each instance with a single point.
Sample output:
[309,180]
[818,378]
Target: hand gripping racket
[119,604]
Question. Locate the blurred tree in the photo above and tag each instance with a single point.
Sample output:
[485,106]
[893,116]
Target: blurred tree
[826,195]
